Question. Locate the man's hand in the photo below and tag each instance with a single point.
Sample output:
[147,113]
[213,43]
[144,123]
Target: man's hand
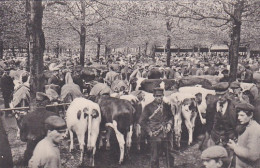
[231,144]
[168,128]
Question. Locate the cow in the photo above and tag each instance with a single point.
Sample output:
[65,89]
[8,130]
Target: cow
[200,94]
[186,107]
[111,76]
[21,98]
[118,115]
[149,84]
[83,116]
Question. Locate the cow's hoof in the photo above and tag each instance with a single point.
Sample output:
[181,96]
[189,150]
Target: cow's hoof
[120,162]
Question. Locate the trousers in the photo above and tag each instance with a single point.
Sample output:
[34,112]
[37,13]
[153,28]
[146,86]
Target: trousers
[159,145]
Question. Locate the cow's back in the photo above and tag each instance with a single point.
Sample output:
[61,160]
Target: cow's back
[117,109]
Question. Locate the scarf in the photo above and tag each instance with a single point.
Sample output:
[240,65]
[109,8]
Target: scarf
[240,128]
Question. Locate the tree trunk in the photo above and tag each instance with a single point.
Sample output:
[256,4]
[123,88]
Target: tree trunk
[153,52]
[37,46]
[107,51]
[82,32]
[1,49]
[235,39]
[145,48]
[168,44]
[98,47]
[13,51]
[27,12]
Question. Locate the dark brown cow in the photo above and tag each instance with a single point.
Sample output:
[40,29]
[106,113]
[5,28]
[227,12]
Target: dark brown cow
[117,114]
[149,84]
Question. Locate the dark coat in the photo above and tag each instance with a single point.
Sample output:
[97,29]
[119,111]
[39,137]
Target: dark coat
[224,126]
[7,85]
[6,159]
[152,121]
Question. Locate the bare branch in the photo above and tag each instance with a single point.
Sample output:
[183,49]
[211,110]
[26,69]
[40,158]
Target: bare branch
[74,28]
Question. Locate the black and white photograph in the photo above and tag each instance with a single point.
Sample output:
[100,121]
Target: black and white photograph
[130,83]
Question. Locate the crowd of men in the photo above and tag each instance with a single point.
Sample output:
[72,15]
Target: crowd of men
[234,132]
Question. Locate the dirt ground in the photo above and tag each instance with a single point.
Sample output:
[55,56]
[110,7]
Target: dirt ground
[186,157]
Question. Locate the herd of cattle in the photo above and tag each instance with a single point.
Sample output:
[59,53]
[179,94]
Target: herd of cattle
[103,102]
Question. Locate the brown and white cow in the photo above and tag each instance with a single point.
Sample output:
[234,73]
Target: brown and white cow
[118,115]
[83,116]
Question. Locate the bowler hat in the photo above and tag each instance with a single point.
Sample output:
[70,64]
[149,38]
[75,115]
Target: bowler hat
[245,107]
[214,152]
[158,91]
[55,123]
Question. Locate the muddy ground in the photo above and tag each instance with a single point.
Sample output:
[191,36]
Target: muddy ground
[186,157]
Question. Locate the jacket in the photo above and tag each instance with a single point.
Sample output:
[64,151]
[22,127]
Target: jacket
[248,149]
[155,118]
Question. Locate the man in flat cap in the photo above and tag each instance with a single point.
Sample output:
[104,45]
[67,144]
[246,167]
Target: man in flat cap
[32,125]
[215,157]
[157,122]
[247,148]
[46,153]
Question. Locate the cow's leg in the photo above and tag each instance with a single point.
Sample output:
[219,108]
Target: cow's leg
[81,139]
[189,127]
[92,157]
[18,133]
[120,139]
[129,139]
[71,139]
[108,133]
[138,136]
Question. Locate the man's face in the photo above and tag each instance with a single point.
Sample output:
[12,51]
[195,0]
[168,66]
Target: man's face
[243,118]
[57,135]
[211,163]
[222,98]
[237,91]
[158,98]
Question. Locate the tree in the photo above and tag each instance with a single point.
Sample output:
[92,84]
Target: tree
[36,49]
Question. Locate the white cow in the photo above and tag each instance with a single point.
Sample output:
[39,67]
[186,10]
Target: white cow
[84,115]
[202,105]
[185,106]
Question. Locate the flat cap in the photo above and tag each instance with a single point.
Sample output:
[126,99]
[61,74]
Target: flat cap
[55,123]
[214,152]
[245,107]
[221,87]
[158,91]
[235,85]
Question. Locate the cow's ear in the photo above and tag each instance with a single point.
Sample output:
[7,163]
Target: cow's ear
[95,113]
[79,114]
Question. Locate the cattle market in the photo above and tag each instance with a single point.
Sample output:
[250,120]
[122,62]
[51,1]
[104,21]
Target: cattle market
[149,84]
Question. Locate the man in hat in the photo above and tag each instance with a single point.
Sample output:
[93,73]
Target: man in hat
[157,122]
[215,157]
[7,87]
[247,148]
[32,125]
[46,153]
[222,120]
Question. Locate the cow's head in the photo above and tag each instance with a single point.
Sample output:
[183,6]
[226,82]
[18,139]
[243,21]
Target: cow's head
[189,105]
